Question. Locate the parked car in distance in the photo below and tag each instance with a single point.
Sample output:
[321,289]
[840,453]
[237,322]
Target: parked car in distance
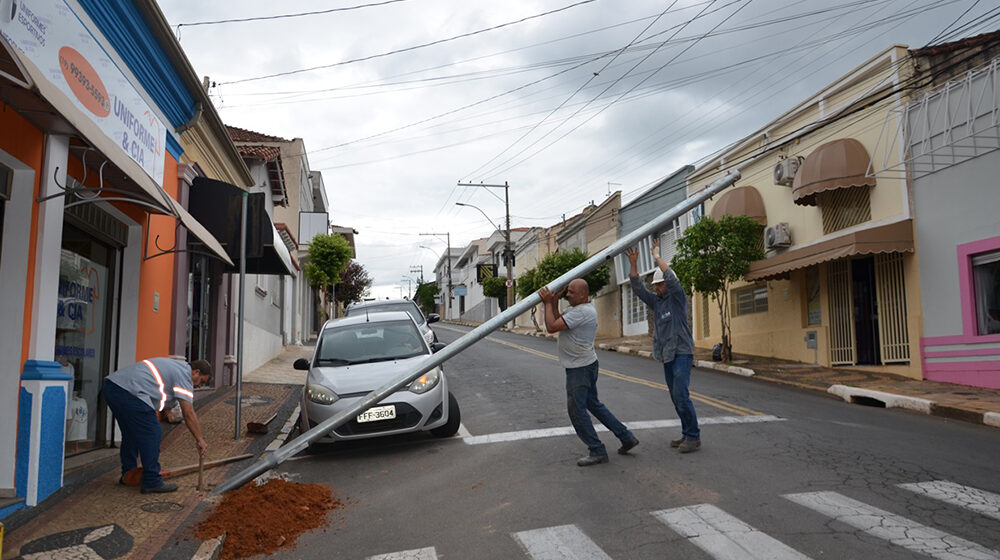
[358,354]
[383,305]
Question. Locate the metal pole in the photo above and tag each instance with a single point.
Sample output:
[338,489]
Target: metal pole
[508,250]
[239,325]
[270,460]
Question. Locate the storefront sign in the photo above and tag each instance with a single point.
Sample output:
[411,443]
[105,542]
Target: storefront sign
[51,35]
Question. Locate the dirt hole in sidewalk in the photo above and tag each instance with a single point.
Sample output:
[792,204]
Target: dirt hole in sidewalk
[262,519]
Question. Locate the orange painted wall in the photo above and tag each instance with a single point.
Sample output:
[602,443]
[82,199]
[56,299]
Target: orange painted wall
[157,277]
[25,142]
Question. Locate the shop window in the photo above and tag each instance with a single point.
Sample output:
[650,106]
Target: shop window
[986,283]
[748,300]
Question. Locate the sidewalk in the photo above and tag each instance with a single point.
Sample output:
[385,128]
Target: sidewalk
[958,402]
[92,516]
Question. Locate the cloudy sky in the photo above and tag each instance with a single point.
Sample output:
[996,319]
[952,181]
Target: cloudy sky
[564,100]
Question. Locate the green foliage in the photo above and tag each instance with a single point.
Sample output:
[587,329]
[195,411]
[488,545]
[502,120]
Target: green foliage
[328,258]
[555,265]
[496,287]
[713,254]
[424,297]
[354,284]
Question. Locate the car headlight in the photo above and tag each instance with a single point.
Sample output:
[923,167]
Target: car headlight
[426,382]
[321,395]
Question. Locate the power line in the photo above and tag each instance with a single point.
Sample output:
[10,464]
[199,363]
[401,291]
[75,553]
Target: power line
[284,16]
[408,49]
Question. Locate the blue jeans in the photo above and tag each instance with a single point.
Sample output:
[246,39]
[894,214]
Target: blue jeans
[581,396]
[678,376]
[141,433]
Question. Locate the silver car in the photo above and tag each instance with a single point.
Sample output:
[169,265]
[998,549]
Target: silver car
[408,305]
[355,356]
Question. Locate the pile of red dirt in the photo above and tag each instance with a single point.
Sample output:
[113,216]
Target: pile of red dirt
[261,519]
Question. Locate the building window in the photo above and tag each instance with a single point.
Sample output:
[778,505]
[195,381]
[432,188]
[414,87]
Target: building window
[814,309]
[636,312]
[750,299]
[843,208]
[986,283]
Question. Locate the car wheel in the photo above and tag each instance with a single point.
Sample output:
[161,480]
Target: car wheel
[450,427]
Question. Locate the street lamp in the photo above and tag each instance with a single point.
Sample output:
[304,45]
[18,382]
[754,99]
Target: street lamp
[446,302]
[508,253]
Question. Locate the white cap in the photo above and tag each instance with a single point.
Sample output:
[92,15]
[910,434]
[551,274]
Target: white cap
[658,276]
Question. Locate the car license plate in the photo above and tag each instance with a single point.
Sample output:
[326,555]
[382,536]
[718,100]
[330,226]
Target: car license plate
[377,413]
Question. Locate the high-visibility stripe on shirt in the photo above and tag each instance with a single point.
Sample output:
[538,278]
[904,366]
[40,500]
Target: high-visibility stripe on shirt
[181,390]
[159,383]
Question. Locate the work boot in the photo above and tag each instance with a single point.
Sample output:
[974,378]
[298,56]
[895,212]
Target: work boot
[591,460]
[689,445]
[626,445]
[161,489]
[676,442]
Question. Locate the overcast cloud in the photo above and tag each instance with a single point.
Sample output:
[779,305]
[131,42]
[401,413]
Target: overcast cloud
[596,96]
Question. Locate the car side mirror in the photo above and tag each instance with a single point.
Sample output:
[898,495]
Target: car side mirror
[301,363]
[433,317]
[435,346]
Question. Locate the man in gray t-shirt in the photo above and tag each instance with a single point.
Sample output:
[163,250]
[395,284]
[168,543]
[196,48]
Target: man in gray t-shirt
[577,328]
[136,393]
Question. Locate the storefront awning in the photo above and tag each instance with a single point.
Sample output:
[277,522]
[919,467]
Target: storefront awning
[148,193]
[219,206]
[896,237]
[741,201]
[839,164]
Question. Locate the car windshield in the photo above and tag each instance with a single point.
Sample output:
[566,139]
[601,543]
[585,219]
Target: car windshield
[364,343]
[407,306]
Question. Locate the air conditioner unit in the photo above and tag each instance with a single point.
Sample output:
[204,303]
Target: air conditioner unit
[777,236]
[784,171]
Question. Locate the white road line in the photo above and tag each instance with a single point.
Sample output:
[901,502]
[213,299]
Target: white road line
[415,554]
[979,501]
[638,425]
[897,530]
[564,542]
[723,536]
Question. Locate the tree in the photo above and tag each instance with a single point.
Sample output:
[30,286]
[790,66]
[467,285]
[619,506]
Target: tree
[555,265]
[328,257]
[354,284]
[713,254]
[424,296]
[496,287]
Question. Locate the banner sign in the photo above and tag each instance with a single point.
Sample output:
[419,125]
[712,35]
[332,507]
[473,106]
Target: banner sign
[54,38]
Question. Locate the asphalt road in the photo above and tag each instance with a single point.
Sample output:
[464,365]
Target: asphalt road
[782,473]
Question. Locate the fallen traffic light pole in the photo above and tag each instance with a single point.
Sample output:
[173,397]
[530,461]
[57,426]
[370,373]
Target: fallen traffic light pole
[270,460]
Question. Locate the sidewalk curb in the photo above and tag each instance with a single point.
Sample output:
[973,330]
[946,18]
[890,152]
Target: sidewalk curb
[852,395]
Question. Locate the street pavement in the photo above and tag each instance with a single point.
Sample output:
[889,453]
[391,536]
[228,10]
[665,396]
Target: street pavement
[94,517]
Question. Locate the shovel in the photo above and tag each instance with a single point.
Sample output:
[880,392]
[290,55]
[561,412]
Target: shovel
[134,476]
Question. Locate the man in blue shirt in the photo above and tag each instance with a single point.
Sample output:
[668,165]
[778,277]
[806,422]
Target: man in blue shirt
[673,344]
[578,326]
[136,393]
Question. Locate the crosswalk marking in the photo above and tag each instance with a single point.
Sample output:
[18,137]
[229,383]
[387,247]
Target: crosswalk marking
[565,542]
[637,425]
[415,554]
[896,529]
[979,501]
[723,536]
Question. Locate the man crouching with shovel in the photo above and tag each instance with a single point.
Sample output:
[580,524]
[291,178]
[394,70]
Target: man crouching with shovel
[136,393]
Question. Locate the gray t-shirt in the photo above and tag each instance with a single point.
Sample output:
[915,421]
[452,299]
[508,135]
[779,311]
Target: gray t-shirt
[576,345]
[157,381]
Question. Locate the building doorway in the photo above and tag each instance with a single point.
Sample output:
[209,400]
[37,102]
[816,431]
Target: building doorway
[866,327]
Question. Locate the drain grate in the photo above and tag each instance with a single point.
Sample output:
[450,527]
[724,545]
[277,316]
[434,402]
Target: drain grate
[160,507]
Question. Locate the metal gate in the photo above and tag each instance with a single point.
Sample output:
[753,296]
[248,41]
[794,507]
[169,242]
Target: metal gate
[891,290]
[842,351]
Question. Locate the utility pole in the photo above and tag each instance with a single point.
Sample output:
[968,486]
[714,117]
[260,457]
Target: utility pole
[418,268]
[508,251]
[447,256]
